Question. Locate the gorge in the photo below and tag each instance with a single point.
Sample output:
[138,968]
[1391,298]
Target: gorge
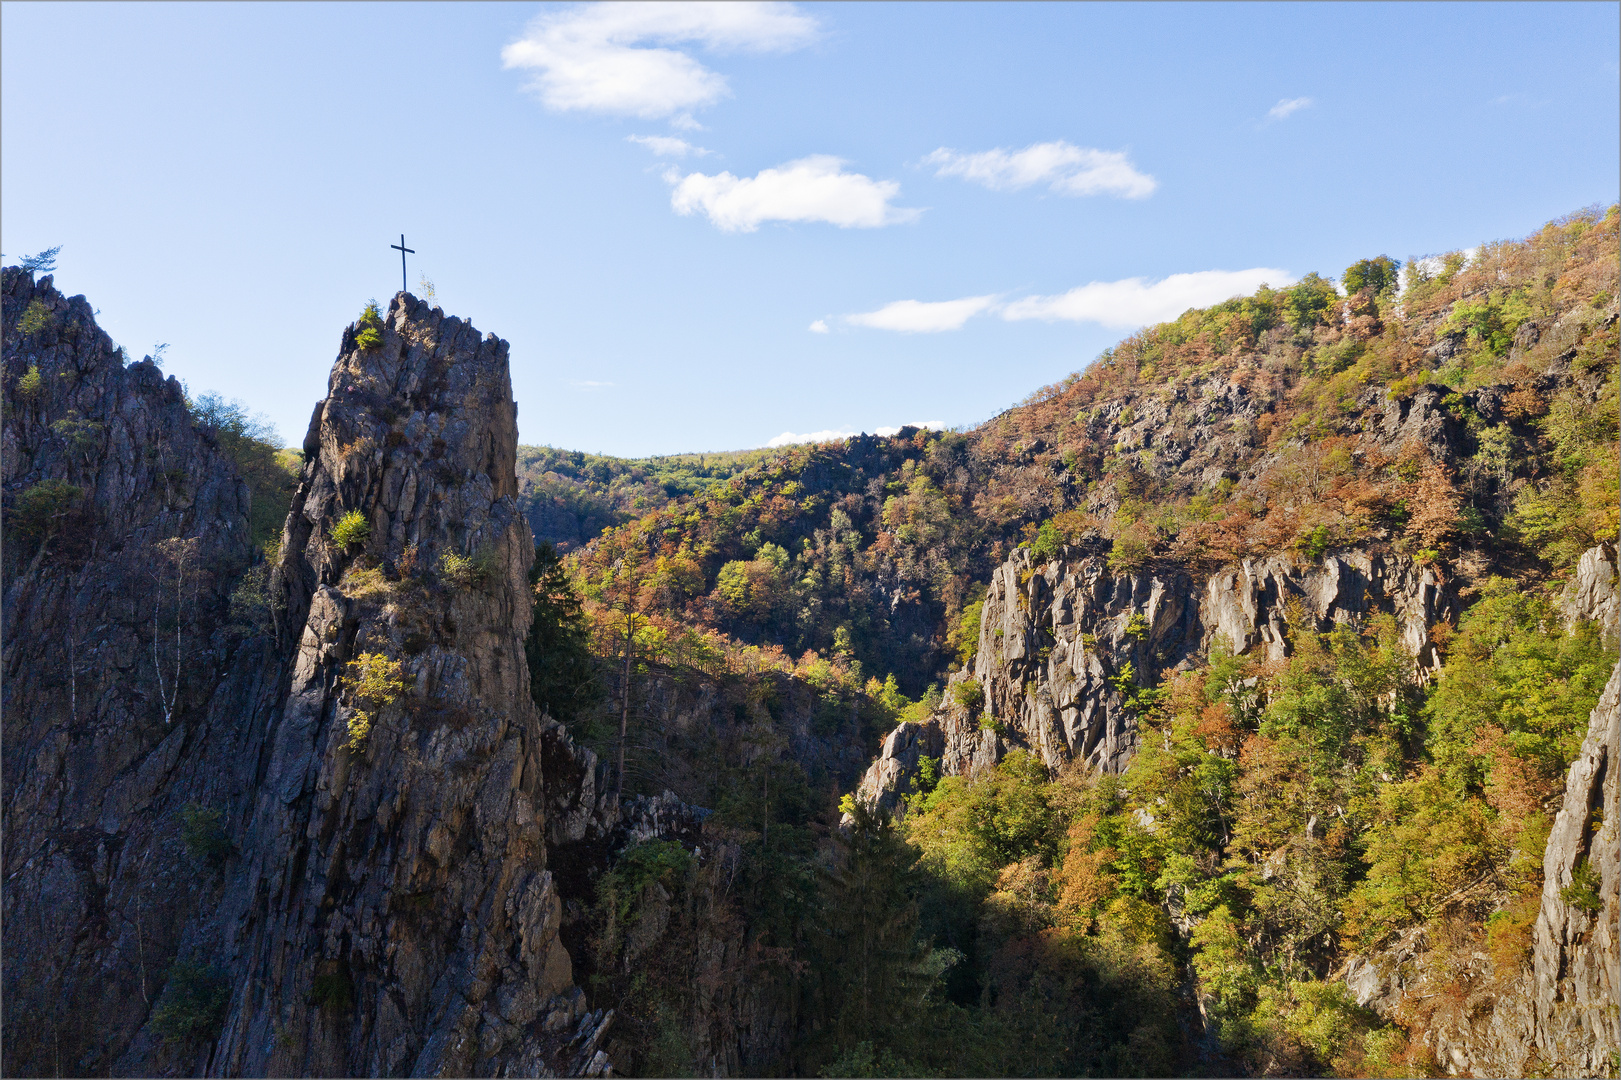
[1246,704]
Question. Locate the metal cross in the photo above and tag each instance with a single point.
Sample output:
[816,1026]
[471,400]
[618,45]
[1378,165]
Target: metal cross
[402,249]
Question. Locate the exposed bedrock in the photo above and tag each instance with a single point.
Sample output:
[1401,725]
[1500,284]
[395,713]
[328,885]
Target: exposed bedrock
[125,529]
[186,798]
[394,912]
[1063,643]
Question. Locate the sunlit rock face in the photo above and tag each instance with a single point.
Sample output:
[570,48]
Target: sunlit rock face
[1063,644]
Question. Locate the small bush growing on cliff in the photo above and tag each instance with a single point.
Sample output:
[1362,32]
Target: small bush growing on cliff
[964,637]
[202,831]
[29,386]
[1582,892]
[352,528]
[465,571]
[36,317]
[371,327]
[40,508]
[373,680]
[193,1003]
[969,694]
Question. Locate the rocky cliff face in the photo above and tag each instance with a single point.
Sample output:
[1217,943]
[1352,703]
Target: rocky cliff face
[192,821]
[125,528]
[399,882]
[1064,644]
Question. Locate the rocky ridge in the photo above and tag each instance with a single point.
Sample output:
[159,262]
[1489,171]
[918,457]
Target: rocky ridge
[1064,644]
[128,693]
[415,857]
[189,810]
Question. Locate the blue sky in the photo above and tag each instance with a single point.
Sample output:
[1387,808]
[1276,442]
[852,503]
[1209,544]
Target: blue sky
[903,212]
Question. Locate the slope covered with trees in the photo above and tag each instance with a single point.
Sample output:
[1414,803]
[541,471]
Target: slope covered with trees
[1484,388]
[1283,819]
[570,496]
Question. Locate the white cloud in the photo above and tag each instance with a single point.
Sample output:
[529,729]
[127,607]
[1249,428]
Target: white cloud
[608,57]
[1067,169]
[1135,302]
[789,438]
[921,317]
[1283,109]
[818,327]
[667,145]
[589,384]
[814,188]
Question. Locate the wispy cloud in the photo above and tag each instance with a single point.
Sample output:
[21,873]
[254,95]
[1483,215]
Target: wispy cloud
[615,58]
[814,188]
[924,317]
[789,438]
[1119,305]
[818,327]
[589,384]
[1065,168]
[1134,302]
[1288,107]
[668,146]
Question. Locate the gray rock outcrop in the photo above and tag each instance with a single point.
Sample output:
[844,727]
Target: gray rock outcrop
[188,808]
[1064,644]
[1576,950]
[125,528]
[407,869]
[1592,593]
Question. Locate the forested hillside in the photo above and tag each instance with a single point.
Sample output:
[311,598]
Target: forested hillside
[1226,434]
[1293,812]
[570,496]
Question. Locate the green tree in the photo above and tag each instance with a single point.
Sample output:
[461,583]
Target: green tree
[871,968]
[562,675]
[1378,274]
[43,263]
[370,334]
[1307,303]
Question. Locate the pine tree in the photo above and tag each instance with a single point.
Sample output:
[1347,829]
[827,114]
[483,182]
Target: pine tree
[869,962]
[562,677]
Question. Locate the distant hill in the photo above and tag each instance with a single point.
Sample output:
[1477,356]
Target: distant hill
[570,496]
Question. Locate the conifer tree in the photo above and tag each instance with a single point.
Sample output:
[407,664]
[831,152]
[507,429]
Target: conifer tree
[870,965]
